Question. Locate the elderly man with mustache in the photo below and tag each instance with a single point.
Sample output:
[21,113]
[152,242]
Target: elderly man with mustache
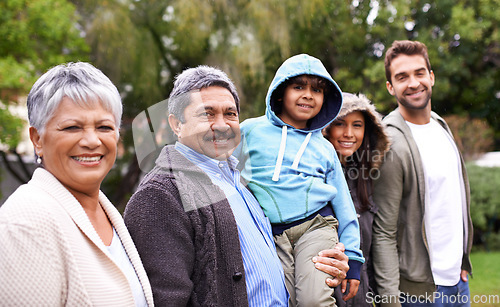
[203,238]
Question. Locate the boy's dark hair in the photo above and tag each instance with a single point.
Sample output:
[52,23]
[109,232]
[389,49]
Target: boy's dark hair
[404,47]
[279,92]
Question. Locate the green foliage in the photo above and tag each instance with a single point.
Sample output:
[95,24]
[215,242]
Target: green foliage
[141,45]
[34,35]
[485,203]
[144,44]
[10,129]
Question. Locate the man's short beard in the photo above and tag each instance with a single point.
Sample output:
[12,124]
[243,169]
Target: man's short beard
[407,105]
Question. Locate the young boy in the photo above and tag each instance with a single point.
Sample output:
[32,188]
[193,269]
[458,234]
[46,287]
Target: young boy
[297,178]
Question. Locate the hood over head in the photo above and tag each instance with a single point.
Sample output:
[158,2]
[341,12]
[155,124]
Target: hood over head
[378,139]
[304,64]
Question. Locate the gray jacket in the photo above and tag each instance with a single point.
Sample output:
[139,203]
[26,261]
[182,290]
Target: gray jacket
[400,250]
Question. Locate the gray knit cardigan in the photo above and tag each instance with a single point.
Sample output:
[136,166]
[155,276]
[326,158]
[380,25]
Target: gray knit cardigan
[186,235]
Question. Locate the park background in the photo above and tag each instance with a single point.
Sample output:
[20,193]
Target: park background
[141,45]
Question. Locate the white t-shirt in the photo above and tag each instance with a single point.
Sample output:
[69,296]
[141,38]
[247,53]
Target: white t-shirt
[119,255]
[443,217]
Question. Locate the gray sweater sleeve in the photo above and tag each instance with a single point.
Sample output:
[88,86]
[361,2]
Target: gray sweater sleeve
[163,235]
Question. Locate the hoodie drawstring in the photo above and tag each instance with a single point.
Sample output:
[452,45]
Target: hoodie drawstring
[281,153]
[302,148]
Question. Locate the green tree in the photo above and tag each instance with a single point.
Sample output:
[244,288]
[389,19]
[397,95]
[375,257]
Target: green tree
[34,36]
[142,45]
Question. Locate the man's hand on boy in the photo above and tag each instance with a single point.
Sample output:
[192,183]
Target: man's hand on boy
[333,262]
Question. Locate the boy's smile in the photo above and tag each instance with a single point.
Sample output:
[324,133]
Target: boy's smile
[301,102]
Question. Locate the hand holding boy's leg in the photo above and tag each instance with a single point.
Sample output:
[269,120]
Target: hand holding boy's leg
[333,262]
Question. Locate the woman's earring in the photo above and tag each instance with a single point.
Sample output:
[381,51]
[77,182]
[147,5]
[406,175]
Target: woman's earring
[39,160]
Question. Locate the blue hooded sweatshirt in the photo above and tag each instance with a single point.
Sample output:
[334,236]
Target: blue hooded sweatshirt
[294,173]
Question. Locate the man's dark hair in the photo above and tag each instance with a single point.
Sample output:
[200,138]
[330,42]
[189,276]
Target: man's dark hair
[404,47]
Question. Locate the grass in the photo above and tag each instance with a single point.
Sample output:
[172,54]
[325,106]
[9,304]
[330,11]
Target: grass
[485,286]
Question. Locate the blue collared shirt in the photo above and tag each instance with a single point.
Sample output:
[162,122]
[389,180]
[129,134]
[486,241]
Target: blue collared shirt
[263,271]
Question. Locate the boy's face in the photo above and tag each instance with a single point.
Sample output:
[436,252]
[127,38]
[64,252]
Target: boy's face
[301,102]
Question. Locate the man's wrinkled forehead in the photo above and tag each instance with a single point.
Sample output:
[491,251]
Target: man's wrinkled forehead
[214,107]
[202,99]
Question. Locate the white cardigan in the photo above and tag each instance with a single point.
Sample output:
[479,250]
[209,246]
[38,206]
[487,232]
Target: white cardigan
[51,255]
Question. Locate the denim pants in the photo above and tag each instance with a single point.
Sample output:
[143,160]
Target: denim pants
[445,296]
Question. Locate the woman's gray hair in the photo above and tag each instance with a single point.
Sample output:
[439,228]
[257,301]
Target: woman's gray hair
[81,82]
[193,79]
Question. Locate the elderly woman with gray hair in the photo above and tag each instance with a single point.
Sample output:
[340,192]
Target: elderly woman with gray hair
[62,242]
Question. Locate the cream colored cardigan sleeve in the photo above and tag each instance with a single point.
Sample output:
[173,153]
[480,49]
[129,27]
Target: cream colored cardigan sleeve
[50,255]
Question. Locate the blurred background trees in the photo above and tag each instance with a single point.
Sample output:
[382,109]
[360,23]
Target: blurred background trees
[141,45]
[34,36]
[485,206]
